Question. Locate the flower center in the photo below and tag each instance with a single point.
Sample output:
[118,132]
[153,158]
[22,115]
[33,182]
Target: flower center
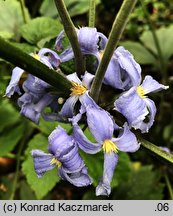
[109,146]
[56,162]
[37,57]
[77,89]
[141,92]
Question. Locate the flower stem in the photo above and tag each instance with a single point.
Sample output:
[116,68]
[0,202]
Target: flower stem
[155,149]
[22,5]
[92,10]
[28,63]
[114,36]
[72,36]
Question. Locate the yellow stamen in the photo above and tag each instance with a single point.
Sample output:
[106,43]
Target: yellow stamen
[77,89]
[141,92]
[101,54]
[37,57]
[56,162]
[109,146]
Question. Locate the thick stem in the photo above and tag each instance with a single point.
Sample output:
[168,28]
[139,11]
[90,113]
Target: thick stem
[115,34]
[33,66]
[72,36]
[92,10]
[156,150]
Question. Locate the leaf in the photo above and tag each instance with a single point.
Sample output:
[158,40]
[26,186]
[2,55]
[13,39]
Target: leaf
[140,53]
[25,192]
[8,115]
[11,18]
[142,185]
[40,30]
[75,7]
[41,186]
[25,47]
[164,38]
[10,138]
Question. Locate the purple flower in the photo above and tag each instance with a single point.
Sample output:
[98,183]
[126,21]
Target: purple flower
[79,92]
[136,106]
[102,127]
[35,98]
[63,153]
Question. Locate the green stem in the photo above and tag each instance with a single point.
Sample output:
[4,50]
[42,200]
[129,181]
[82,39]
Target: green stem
[28,131]
[157,150]
[115,34]
[22,4]
[72,36]
[156,42]
[33,66]
[169,186]
[92,10]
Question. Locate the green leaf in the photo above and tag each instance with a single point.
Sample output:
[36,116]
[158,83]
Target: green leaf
[41,186]
[10,138]
[25,47]
[41,30]
[164,38]
[142,185]
[8,115]
[140,53]
[11,18]
[25,191]
[75,7]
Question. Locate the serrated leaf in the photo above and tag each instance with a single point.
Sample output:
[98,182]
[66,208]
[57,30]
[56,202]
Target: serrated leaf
[11,18]
[140,53]
[10,138]
[41,30]
[41,186]
[164,38]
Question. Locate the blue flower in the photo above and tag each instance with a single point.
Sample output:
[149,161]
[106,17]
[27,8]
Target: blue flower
[63,153]
[102,127]
[136,106]
[79,92]
[35,97]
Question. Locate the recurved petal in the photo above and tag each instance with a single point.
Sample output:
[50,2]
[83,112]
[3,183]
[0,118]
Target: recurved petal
[83,142]
[133,107]
[110,162]
[151,85]
[42,162]
[59,142]
[79,179]
[68,107]
[13,85]
[100,123]
[58,43]
[87,80]
[127,63]
[113,74]
[71,161]
[74,78]
[146,125]
[126,141]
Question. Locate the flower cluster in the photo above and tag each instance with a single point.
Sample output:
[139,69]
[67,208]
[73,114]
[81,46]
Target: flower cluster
[123,74]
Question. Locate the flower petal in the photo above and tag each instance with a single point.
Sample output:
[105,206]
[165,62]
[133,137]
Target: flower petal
[83,142]
[79,179]
[132,106]
[146,125]
[13,85]
[127,63]
[59,142]
[87,80]
[74,78]
[68,107]
[126,141]
[42,162]
[110,162]
[100,123]
[151,85]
